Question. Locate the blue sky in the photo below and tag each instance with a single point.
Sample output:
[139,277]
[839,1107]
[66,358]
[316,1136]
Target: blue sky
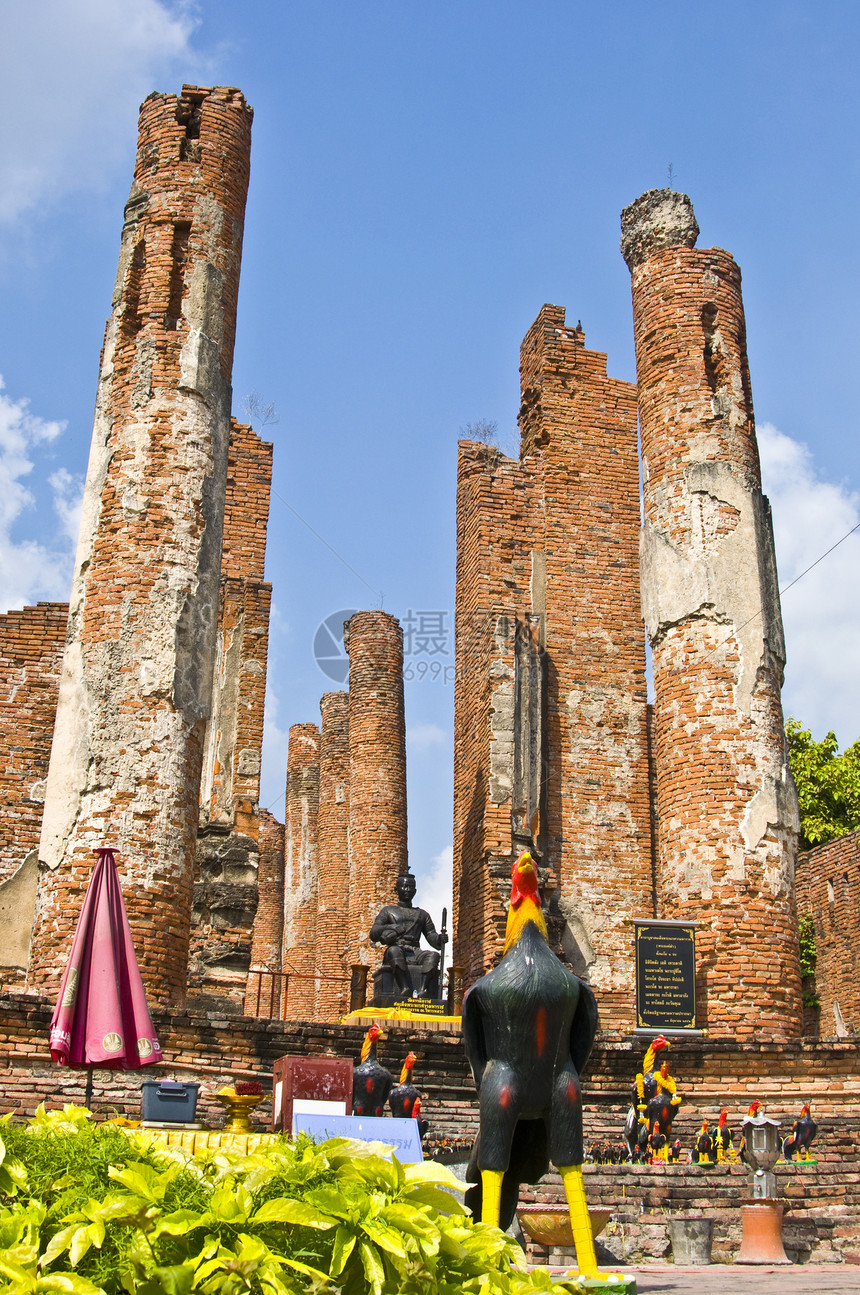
[423,178]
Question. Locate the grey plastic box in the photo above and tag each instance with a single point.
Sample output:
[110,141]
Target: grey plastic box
[169,1102]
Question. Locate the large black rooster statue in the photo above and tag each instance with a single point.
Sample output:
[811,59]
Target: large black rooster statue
[802,1134]
[405,1099]
[371,1082]
[528,1027]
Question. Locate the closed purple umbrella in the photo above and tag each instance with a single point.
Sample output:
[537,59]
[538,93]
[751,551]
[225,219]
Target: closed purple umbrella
[101,1017]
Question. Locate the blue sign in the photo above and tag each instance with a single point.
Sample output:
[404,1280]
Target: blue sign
[402,1135]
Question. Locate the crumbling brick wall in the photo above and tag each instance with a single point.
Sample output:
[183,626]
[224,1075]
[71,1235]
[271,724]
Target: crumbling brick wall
[346,822]
[828,891]
[31,653]
[555,537]
[227,856]
[581,427]
[128,741]
[264,993]
[234,739]
[377,773]
[496,521]
[301,868]
[333,898]
[726,807]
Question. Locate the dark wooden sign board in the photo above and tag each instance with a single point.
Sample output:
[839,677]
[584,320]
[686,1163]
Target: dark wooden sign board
[665,976]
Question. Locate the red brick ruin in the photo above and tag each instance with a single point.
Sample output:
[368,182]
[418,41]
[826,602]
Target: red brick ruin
[136,682]
[152,682]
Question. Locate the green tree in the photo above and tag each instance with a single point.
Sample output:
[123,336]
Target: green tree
[828,785]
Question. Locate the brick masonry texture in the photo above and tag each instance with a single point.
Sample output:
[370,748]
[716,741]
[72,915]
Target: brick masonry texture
[268,930]
[213,1050]
[828,880]
[556,535]
[301,868]
[227,854]
[137,673]
[31,650]
[377,773]
[31,653]
[231,773]
[726,808]
[212,1047]
[333,895]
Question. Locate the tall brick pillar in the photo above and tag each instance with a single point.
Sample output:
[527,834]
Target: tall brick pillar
[301,877]
[138,666]
[262,992]
[333,897]
[726,808]
[580,426]
[550,540]
[377,772]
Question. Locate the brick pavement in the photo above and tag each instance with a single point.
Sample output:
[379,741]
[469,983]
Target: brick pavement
[740,1279]
[726,1279]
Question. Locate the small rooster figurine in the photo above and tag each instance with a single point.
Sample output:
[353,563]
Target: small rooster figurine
[703,1146]
[658,1144]
[802,1134]
[722,1138]
[755,1109]
[528,1027]
[405,1099]
[371,1082]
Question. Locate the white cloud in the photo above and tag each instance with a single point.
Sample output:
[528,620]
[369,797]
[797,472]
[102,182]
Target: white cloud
[434,890]
[821,613]
[72,73]
[29,569]
[68,498]
[420,737]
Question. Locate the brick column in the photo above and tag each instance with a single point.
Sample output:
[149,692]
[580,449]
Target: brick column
[333,897]
[31,655]
[550,540]
[377,772]
[498,517]
[137,672]
[267,934]
[726,808]
[301,876]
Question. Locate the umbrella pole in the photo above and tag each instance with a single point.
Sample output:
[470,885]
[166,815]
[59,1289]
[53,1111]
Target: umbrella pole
[88,1097]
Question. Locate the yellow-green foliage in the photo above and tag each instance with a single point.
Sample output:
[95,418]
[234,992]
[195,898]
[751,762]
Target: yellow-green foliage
[89,1208]
[828,785]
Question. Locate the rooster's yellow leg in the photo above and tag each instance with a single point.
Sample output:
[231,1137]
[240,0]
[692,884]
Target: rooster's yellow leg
[574,1190]
[491,1181]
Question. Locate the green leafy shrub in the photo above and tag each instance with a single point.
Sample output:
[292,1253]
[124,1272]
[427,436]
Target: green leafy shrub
[90,1208]
[828,785]
[808,960]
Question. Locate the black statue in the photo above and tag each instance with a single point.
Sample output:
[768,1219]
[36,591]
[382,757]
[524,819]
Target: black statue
[655,1100]
[528,1027]
[400,927]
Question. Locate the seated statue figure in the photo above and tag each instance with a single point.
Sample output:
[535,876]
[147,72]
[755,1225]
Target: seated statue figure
[400,927]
